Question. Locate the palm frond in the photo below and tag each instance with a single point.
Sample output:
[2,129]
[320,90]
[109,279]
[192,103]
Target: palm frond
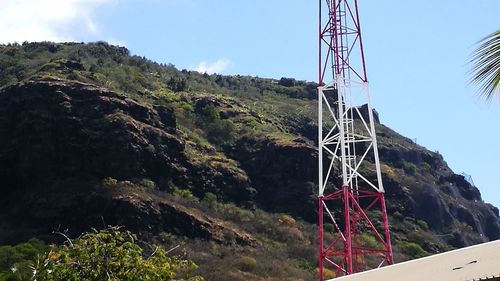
[486,66]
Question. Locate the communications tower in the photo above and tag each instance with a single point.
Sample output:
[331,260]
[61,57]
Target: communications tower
[353,231]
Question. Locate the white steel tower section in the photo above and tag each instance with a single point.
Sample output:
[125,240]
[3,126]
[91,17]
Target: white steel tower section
[342,140]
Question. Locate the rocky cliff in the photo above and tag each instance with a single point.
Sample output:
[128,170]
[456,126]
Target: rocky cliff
[223,166]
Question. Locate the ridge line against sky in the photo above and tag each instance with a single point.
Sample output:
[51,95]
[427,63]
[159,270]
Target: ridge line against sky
[416,51]
[59,21]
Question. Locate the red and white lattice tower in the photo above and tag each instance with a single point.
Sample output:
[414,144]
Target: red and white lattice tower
[353,226]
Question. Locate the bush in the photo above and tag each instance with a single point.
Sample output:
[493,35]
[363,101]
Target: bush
[177,84]
[147,183]
[166,237]
[327,273]
[306,265]
[247,263]
[426,166]
[216,130]
[367,240]
[210,200]
[397,215]
[110,254]
[287,82]
[286,219]
[16,261]
[409,168]
[109,181]
[328,227]
[184,193]
[412,249]
[423,224]
[221,131]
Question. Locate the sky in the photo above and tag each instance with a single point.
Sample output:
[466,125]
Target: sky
[416,54]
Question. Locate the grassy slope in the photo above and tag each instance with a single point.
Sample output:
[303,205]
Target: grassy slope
[255,107]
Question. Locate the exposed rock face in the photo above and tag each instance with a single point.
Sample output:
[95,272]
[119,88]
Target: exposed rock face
[282,174]
[365,113]
[134,150]
[59,129]
[61,138]
[437,195]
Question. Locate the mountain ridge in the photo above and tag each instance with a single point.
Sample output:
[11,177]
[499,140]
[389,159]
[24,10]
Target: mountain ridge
[223,165]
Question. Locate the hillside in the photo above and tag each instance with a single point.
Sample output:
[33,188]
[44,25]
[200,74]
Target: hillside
[224,166]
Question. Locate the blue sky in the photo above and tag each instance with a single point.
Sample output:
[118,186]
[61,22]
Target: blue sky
[416,54]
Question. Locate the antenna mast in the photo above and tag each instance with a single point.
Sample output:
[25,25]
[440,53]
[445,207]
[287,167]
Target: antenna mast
[353,229]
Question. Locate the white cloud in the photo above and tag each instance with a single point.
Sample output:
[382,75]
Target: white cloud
[47,20]
[216,67]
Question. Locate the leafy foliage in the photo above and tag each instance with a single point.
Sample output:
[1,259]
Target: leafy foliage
[216,130]
[16,261]
[111,254]
[486,65]
[412,249]
[409,168]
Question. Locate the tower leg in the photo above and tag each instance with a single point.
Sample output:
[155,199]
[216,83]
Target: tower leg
[388,245]
[320,237]
[347,230]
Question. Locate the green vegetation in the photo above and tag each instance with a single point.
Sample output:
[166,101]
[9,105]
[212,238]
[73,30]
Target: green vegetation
[16,262]
[412,249]
[201,137]
[426,166]
[269,102]
[486,66]
[184,193]
[423,224]
[108,254]
[111,254]
[289,241]
[247,263]
[409,168]
[215,129]
[147,183]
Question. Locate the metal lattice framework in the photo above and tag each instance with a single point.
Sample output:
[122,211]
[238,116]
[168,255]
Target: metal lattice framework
[353,225]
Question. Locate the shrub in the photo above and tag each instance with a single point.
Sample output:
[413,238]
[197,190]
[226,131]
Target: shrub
[221,131]
[306,265]
[166,237]
[397,215]
[291,234]
[216,130]
[426,166]
[328,227]
[412,249]
[287,82]
[367,240]
[110,254]
[147,183]
[247,263]
[423,224]
[409,168]
[16,261]
[109,181]
[286,219]
[210,200]
[177,84]
[184,193]
[327,273]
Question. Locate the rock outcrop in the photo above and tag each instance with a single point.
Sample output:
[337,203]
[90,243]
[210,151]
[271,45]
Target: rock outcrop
[61,138]
[92,136]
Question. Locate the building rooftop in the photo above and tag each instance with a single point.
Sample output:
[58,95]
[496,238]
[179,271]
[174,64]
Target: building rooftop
[479,262]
